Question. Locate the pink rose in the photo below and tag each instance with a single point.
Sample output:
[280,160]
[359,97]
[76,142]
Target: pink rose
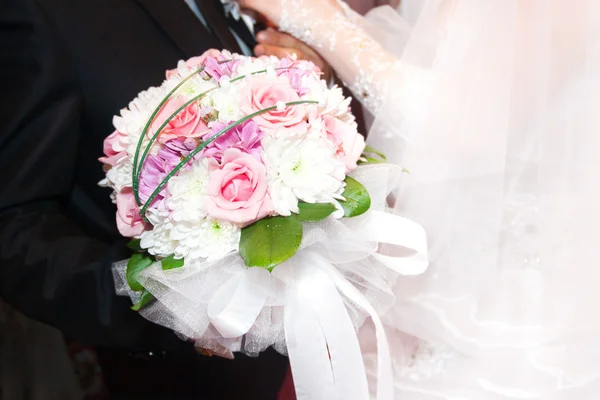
[238,189]
[263,92]
[195,62]
[187,124]
[348,142]
[113,149]
[129,221]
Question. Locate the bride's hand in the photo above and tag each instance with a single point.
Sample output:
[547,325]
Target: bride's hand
[274,43]
[272,9]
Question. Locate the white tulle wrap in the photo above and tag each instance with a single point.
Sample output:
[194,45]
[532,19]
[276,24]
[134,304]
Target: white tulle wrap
[309,307]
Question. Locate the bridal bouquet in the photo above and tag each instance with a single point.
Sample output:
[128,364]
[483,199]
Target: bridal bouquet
[253,224]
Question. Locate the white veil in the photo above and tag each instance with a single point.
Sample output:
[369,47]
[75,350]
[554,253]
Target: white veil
[499,125]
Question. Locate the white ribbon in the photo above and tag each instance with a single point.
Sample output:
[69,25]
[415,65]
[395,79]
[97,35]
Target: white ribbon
[235,306]
[390,229]
[385,379]
[320,335]
[325,354]
[307,346]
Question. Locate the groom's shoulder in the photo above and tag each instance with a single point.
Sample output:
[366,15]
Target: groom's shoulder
[40,11]
[75,22]
[74,12]
[87,10]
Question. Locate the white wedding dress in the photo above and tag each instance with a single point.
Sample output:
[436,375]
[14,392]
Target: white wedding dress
[494,108]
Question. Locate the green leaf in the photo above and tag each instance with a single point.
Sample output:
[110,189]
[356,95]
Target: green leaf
[270,241]
[370,160]
[135,245]
[146,299]
[357,198]
[314,212]
[371,150]
[372,156]
[137,263]
[171,263]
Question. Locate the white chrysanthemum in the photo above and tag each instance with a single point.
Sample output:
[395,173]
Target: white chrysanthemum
[226,101]
[158,241]
[197,86]
[206,239]
[170,83]
[301,169]
[331,100]
[188,193]
[134,118]
[315,131]
[118,176]
[248,66]
[193,87]
[244,67]
[183,70]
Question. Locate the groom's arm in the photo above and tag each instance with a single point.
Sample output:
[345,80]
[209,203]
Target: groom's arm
[49,269]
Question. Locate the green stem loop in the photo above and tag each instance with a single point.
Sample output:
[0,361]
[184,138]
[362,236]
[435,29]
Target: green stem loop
[138,162]
[134,176]
[137,166]
[160,129]
[138,170]
[203,145]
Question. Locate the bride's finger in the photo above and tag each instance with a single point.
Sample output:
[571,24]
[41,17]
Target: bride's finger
[256,5]
[301,53]
[279,52]
[275,38]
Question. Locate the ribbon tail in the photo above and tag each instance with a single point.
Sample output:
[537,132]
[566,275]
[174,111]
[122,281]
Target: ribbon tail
[390,229]
[307,349]
[385,379]
[340,371]
[344,349]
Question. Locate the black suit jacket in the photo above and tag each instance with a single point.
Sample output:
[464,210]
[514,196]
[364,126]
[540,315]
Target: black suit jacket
[66,67]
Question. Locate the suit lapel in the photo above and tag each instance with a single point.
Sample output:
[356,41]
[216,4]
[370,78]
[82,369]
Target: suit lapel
[239,26]
[179,22]
[218,24]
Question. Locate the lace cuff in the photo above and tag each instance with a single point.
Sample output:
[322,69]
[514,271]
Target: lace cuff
[335,31]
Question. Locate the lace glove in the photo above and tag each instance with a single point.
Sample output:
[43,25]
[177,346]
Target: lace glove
[335,31]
